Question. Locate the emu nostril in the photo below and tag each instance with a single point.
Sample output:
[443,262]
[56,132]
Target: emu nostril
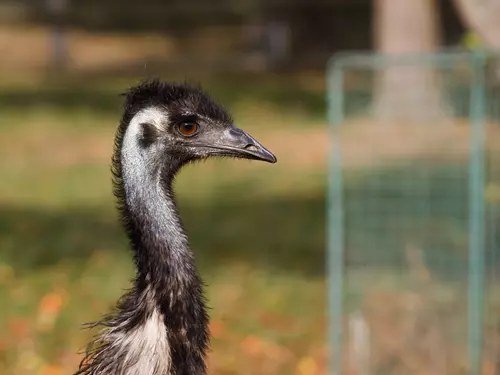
[251,147]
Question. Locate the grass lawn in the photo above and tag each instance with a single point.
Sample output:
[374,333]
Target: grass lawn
[258,231]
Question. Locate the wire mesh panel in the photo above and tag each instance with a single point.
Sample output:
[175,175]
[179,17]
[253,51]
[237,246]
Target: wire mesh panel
[414,200]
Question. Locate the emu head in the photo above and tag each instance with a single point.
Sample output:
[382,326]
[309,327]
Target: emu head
[182,123]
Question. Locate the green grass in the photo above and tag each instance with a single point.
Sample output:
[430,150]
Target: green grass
[258,231]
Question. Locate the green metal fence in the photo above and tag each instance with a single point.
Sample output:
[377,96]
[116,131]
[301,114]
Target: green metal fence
[414,185]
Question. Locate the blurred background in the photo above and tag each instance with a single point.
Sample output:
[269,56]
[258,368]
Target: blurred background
[258,230]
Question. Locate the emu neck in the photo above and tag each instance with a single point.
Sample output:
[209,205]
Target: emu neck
[162,253]
[167,280]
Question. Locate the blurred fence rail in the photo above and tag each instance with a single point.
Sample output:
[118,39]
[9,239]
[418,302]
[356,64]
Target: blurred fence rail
[414,213]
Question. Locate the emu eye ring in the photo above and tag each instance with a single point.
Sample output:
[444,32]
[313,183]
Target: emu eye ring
[188,129]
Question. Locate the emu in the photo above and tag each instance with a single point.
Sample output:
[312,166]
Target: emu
[160,326]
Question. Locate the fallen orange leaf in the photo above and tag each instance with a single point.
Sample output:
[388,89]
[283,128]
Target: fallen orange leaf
[51,303]
[216,328]
[488,368]
[252,345]
[51,370]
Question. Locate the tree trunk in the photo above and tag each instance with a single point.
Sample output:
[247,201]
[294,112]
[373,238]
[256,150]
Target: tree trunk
[483,17]
[408,92]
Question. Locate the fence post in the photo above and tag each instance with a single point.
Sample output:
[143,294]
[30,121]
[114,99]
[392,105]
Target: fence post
[335,222]
[476,214]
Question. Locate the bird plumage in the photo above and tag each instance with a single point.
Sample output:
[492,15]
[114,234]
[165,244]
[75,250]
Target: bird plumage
[160,326]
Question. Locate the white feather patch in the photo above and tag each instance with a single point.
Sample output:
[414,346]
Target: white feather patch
[146,348]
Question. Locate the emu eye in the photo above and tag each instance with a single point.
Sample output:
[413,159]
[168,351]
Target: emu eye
[188,128]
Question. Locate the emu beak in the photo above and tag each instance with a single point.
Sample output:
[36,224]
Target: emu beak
[243,145]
